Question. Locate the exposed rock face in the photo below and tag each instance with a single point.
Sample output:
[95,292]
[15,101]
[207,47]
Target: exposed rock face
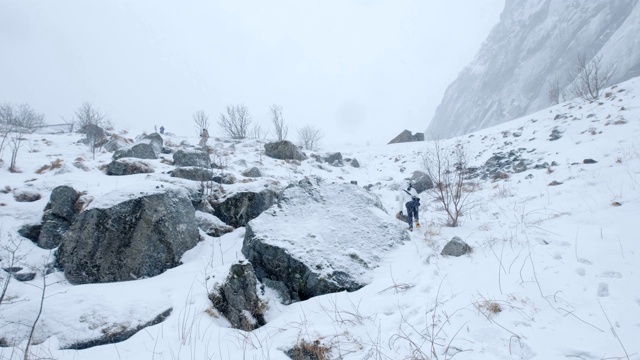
[191,158]
[58,214]
[95,135]
[406,136]
[241,207]
[237,299]
[128,166]
[283,150]
[535,43]
[331,253]
[456,247]
[193,173]
[118,240]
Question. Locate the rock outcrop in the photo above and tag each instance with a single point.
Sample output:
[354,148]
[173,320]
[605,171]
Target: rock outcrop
[127,235]
[407,136]
[237,298]
[301,248]
[191,158]
[149,147]
[128,166]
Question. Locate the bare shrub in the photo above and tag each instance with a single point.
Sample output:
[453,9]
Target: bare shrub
[16,122]
[280,128]
[309,350]
[309,137]
[555,93]
[87,114]
[235,123]
[201,119]
[447,168]
[590,77]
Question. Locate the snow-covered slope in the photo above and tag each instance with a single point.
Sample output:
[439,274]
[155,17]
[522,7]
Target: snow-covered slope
[561,262]
[535,43]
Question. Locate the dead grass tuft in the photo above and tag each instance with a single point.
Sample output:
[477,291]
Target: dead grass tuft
[310,351]
[55,164]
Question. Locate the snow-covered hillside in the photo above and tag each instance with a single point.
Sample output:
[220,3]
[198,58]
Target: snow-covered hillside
[535,44]
[554,272]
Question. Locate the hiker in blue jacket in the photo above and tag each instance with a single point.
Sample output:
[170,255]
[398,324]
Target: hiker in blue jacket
[412,205]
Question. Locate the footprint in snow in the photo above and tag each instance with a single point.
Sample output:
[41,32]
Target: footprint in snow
[611,274]
[603,290]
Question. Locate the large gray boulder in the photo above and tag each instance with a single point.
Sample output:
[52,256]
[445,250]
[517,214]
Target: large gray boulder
[319,239]
[128,166]
[140,151]
[129,234]
[191,158]
[237,299]
[58,214]
[211,225]
[421,181]
[238,209]
[283,150]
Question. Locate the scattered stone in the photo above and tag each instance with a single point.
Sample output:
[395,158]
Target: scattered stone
[254,172]
[354,163]
[589,161]
[456,247]
[24,276]
[193,173]
[555,183]
[421,181]
[603,290]
[555,135]
[283,150]
[26,196]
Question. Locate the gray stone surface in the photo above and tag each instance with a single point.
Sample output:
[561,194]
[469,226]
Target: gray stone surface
[193,173]
[128,166]
[455,247]
[283,150]
[58,214]
[238,209]
[131,239]
[237,298]
[191,158]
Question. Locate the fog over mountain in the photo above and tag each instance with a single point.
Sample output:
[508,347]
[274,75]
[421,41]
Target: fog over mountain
[535,43]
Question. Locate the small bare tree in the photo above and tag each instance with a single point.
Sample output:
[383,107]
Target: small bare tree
[235,123]
[447,168]
[555,93]
[16,122]
[201,119]
[87,114]
[278,122]
[309,137]
[590,77]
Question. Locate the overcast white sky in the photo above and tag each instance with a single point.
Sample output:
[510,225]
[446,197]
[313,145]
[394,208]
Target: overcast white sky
[362,71]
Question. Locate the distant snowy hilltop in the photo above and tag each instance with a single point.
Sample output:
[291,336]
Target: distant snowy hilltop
[537,43]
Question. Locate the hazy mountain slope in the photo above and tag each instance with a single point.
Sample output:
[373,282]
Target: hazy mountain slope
[535,42]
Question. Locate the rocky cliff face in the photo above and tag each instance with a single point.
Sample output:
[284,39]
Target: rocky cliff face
[535,43]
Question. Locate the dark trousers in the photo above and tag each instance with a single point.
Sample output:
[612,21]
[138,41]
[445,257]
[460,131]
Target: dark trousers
[412,212]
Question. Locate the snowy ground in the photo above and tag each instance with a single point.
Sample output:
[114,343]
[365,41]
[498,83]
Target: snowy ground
[561,262]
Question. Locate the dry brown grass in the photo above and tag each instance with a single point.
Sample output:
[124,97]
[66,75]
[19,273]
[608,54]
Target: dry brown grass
[306,350]
[55,164]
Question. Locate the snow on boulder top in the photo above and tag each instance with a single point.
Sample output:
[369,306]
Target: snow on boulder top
[330,228]
[134,191]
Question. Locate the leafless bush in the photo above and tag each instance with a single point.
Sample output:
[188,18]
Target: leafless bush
[15,122]
[309,137]
[87,114]
[447,168]
[555,93]
[202,121]
[235,123]
[278,122]
[590,77]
